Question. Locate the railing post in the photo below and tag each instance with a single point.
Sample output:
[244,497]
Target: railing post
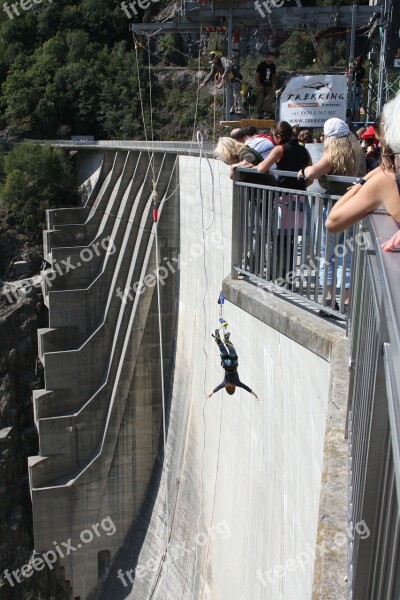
[237,220]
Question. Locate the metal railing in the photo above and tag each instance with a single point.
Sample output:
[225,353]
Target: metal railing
[374,328]
[374,419]
[175,147]
[280,242]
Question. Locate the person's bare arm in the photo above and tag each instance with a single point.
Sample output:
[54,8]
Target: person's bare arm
[311,172]
[274,156]
[242,163]
[358,203]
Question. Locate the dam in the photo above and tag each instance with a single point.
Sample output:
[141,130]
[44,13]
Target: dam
[144,488]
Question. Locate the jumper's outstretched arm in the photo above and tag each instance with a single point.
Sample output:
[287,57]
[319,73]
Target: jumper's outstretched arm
[218,388]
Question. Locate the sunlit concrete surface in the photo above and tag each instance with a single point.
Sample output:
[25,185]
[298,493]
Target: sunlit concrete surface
[249,491]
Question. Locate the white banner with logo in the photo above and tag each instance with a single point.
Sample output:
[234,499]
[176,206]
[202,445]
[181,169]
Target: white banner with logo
[310,100]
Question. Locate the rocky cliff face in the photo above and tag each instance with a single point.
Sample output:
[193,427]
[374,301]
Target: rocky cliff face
[21,313]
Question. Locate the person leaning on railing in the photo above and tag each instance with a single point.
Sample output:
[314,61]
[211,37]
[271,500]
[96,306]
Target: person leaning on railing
[341,155]
[289,155]
[380,186]
[233,153]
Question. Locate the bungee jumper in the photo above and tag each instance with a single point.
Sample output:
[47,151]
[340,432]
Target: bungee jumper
[229,357]
[229,362]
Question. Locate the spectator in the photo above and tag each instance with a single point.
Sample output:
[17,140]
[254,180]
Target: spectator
[288,155]
[241,155]
[305,137]
[249,136]
[371,148]
[231,152]
[295,131]
[239,133]
[223,69]
[342,155]
[266,85]
[360,131]
[381,186]
[357,73]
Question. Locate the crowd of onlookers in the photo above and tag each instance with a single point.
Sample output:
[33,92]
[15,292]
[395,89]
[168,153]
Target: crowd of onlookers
[370,155]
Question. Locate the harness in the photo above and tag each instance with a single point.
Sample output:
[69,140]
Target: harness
[229,365]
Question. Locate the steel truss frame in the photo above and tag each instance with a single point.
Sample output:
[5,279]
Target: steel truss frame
[192,16]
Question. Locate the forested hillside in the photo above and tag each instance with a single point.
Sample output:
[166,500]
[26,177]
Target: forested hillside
[68,67]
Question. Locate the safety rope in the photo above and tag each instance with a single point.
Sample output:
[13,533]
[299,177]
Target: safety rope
[195,114]
[165,469]
[151,117]
[141,105]
[154,197]
[206,288]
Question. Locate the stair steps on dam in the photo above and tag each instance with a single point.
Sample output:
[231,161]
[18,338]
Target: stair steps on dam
[94,385]
[88,308]
[89,190]
[81,415]
[82,233]
[78,273]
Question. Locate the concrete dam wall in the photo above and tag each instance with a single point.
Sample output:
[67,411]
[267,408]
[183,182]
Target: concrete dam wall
[241,501]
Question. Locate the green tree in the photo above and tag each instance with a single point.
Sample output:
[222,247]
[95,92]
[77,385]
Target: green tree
[297,51]
[36,178]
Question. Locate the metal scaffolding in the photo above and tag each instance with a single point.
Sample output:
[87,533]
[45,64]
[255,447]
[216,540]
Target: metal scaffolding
[229,15]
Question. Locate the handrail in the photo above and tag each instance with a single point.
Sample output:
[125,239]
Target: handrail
[333,178]
[374,416]
[279,241]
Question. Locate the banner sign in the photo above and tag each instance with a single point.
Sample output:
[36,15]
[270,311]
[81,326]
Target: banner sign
[310,100]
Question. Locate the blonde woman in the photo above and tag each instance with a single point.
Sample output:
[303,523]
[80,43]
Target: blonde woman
[233,152]
[342,155]
[237,154]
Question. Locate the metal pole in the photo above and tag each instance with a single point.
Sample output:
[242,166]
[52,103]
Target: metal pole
[351,88]
[371,80]
[229,56]
[382,63]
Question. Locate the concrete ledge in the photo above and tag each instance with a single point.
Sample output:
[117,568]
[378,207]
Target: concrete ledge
[330,566]
[308,330]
